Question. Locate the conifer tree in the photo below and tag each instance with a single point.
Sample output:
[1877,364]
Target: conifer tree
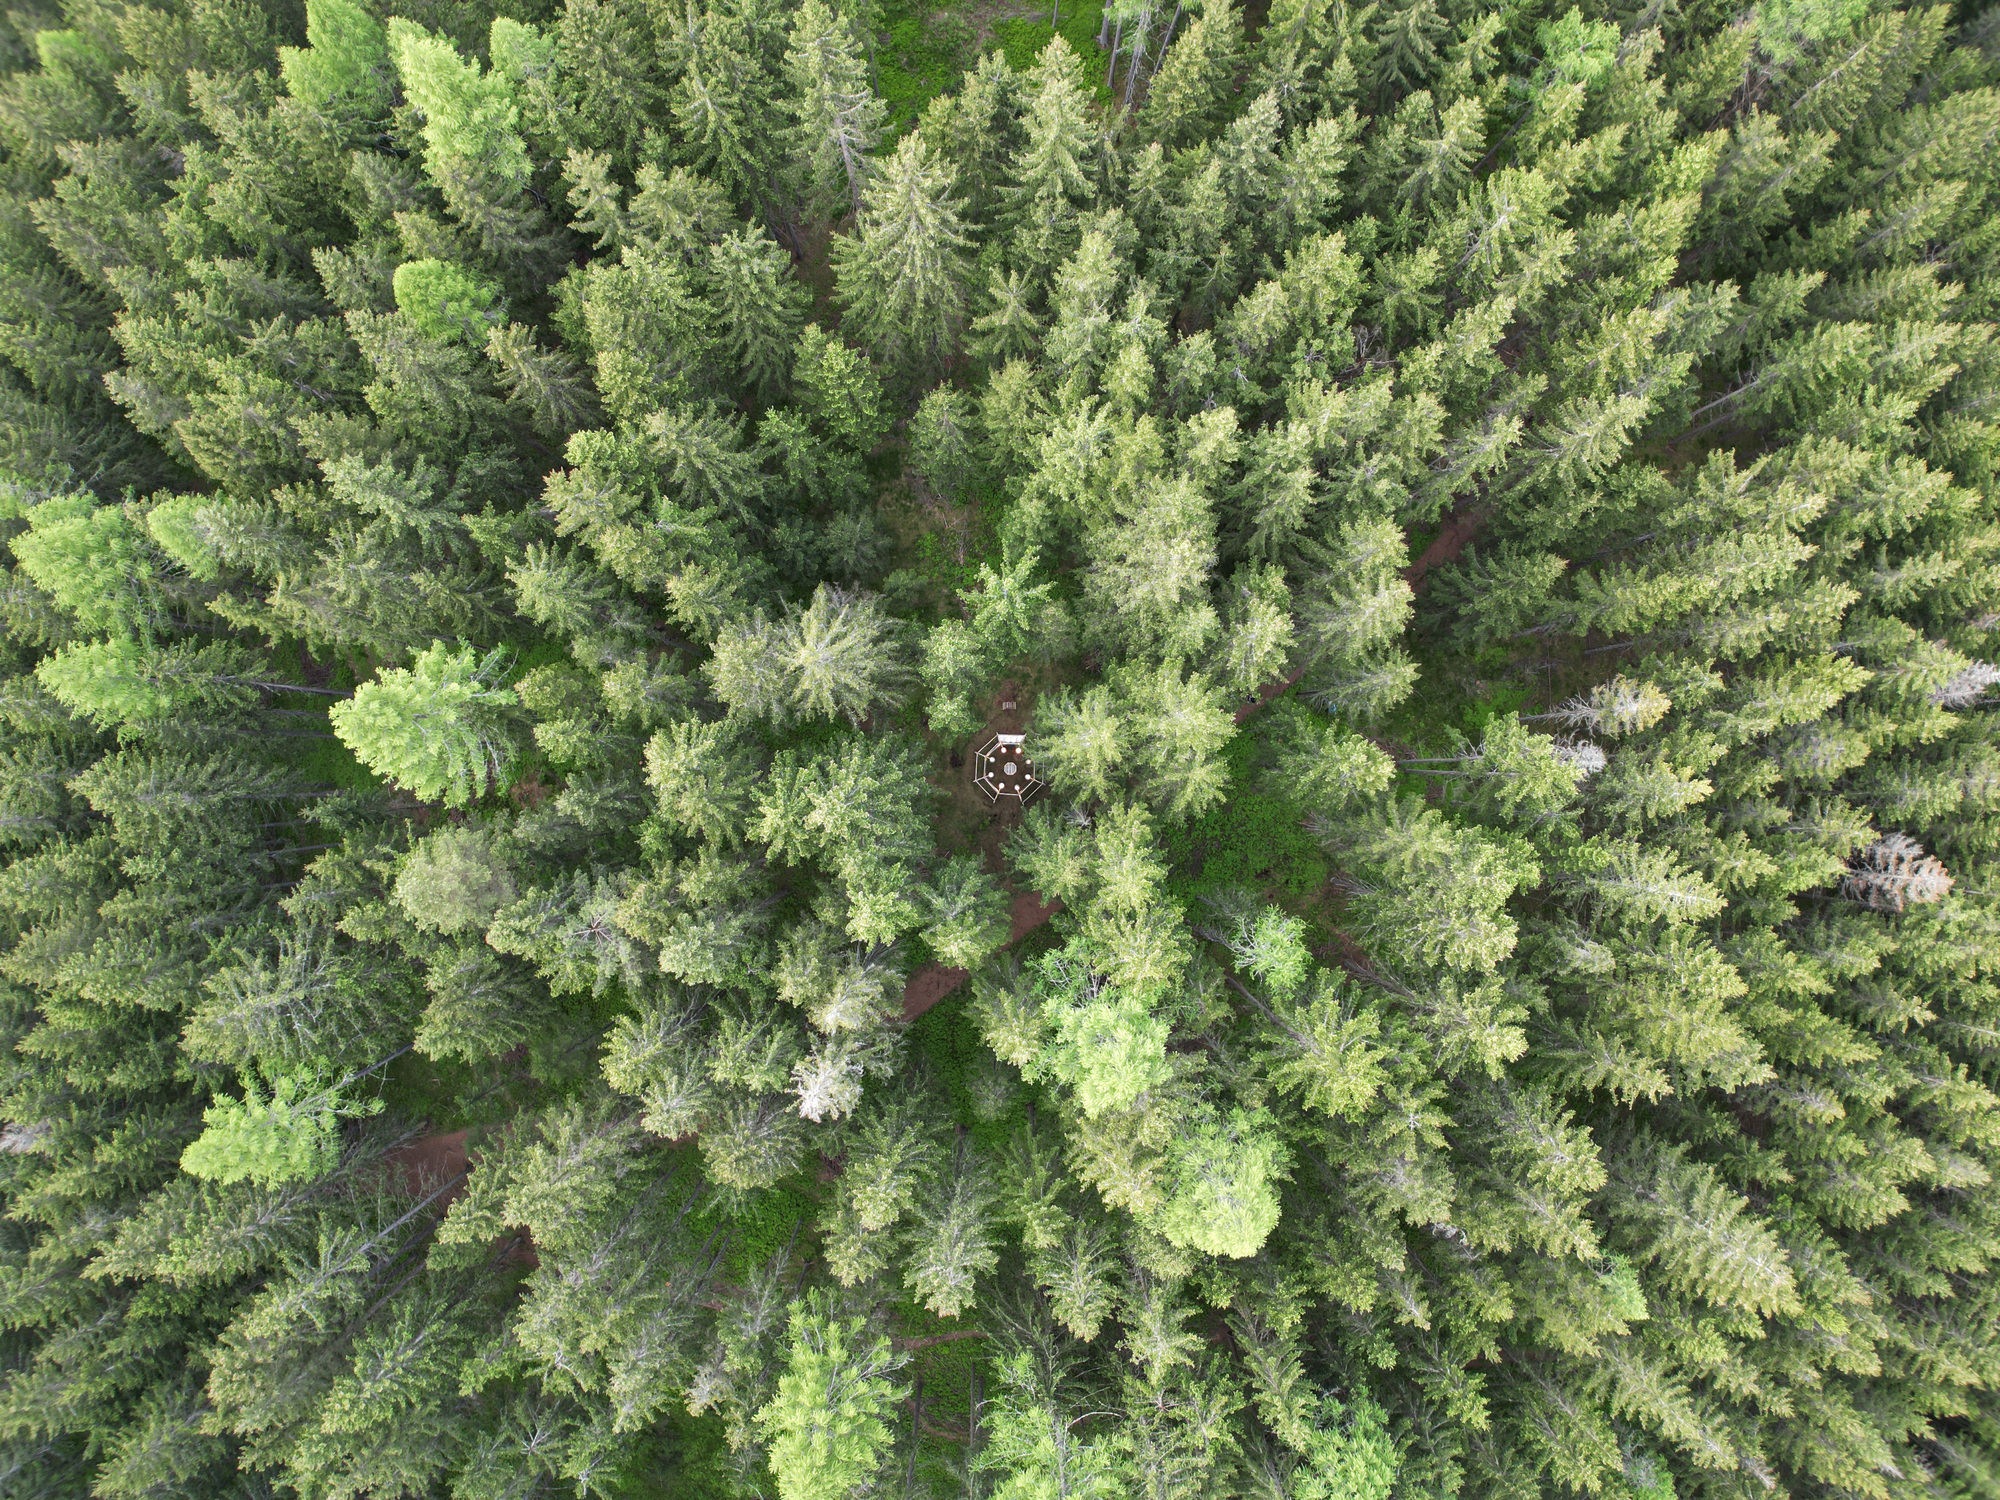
[440,727]
[825,1422]
[1509,1011]
[761,305]
[839,114]
[902,274]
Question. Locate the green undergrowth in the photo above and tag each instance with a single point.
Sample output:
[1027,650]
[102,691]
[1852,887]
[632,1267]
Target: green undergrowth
[927,50]
[1455,696]
[946,1038]
[447,1094]
[693,1459]
[1022,38]
[933,560]
[760,1226]
[329,762]
[929,47]
[1253,838]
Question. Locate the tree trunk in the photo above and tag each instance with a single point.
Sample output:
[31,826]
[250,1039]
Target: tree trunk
[853,169]
[1104,29]
[1138,58]
[1167,40]
[1116,37]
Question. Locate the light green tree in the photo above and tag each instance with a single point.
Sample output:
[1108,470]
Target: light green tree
[470,117]
[902,273]
[92,560]
[443,727]
[825,1423]
[1107,1044]
[1044,1448]
[447,301]
[288,1133]
[124,681]
[345,65]
[1224,1200]
[1349,1453]
[455,879]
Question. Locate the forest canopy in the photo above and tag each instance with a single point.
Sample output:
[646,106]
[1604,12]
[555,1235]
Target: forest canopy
[847,749]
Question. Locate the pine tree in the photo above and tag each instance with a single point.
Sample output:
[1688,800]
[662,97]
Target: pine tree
[902,274]
[839,116]
[968,914]
[825,1423]
[1049,180]
[549,383]
[942,441]
[440,727]
[762,306]
[723,99]
[1541,1042]
[344,66]
[290,1134]
[1190,83]
[470,118]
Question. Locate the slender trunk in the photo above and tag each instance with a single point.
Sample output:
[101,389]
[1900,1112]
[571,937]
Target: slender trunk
[1055,12]
[1137,59]
[358,1074]
[1167,40]
[916,1432]
[285,687]
[1116,37]
[1104,30]
[847,160]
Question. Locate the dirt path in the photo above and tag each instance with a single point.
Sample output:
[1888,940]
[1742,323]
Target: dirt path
[1458,530]
[426,1163]
[933,982]
[1266,693]
[438,1158]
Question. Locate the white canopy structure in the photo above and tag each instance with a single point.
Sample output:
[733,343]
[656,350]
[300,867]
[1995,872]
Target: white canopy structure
[1002,769]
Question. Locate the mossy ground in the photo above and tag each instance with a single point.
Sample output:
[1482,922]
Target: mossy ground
[924,49]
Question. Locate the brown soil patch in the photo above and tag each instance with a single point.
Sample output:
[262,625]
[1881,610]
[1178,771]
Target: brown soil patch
[933,982]
[967,819]
[1458,530]
[929,985]
[519,1250]
[1266,693]
[1030,911]
[423,1164]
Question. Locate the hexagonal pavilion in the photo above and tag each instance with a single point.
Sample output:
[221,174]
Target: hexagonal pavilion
[1001,768]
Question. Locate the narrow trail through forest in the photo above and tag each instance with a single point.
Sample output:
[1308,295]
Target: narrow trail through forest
[933,982]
